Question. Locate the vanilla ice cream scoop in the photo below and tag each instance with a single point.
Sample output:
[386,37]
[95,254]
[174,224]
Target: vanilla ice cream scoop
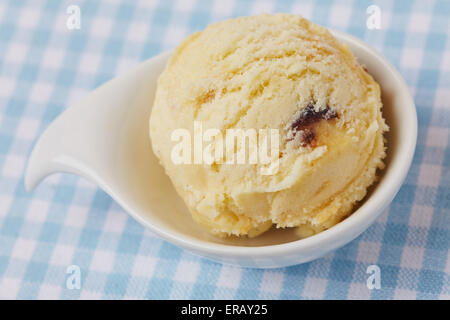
[277,74]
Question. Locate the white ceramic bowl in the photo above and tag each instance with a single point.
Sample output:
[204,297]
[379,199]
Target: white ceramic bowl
[105,139]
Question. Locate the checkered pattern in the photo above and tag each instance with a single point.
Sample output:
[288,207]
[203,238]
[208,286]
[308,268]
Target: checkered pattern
[45,67]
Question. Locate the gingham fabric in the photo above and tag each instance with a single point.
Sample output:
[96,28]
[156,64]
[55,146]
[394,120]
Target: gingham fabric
[45,67]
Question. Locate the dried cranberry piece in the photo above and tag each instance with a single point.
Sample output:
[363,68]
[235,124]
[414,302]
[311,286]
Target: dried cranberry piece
[306,120]
[310,116]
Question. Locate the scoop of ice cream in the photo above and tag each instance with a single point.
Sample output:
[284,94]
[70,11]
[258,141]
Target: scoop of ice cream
[278,72]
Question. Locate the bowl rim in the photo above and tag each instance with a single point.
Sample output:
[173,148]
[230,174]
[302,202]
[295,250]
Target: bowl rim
[353,225]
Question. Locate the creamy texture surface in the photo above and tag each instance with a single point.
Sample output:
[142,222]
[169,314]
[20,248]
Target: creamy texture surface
[271,71]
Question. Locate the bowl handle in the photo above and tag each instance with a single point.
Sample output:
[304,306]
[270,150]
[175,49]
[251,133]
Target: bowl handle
[86,139]
[48,155]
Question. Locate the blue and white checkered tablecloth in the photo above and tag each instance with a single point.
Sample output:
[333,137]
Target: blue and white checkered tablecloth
[45,67]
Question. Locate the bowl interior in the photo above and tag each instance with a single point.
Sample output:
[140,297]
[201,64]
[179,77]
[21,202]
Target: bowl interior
[160,207]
